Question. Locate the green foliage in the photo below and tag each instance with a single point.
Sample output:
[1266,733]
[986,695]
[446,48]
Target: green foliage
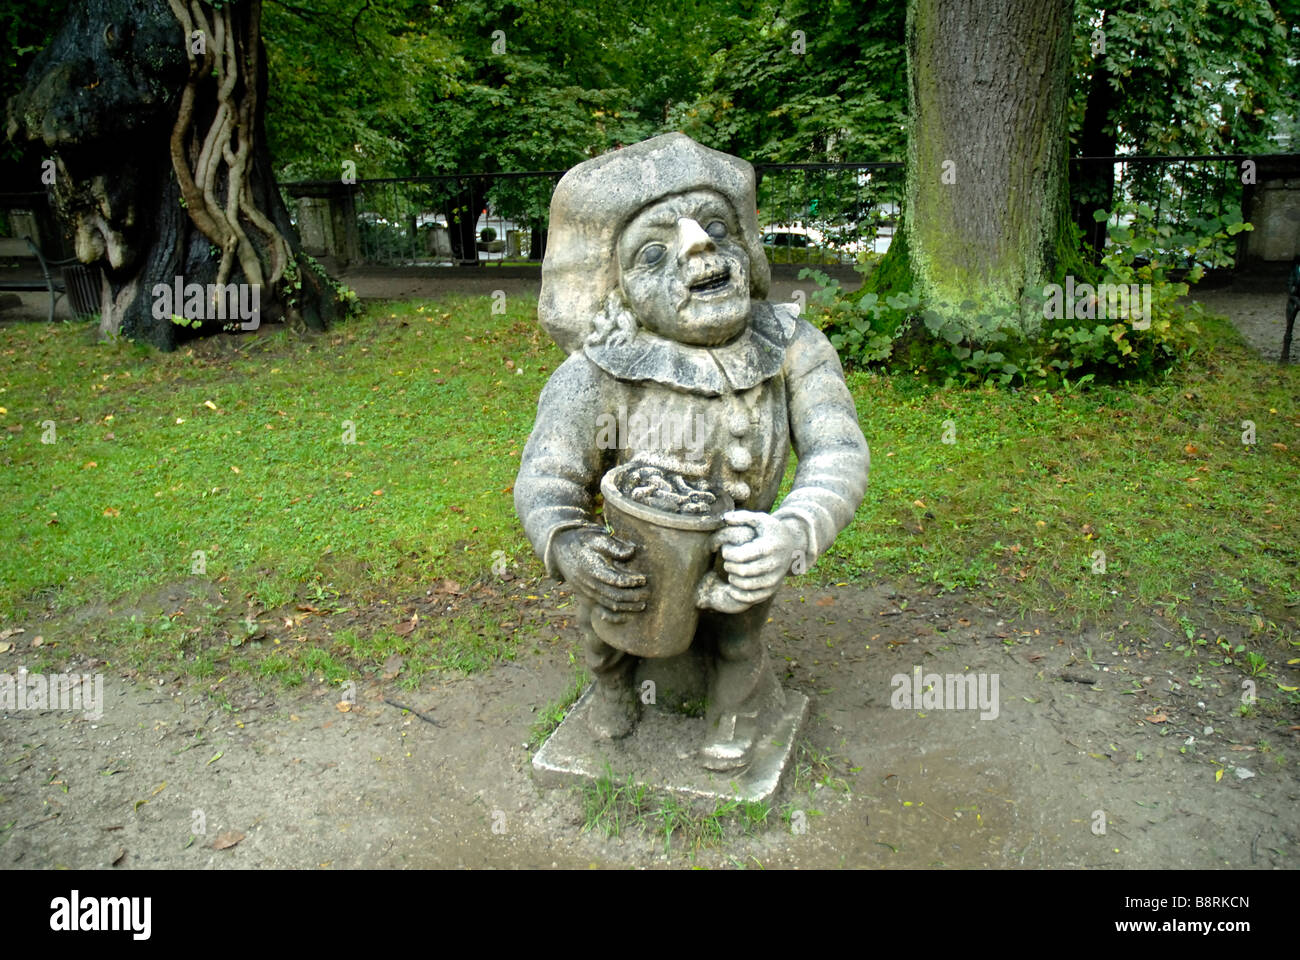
[1191,76]
[26,28]
[1102,336]
[842,99]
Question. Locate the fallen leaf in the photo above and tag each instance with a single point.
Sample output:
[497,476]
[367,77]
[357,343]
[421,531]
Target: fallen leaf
[209,404]
[38,641]
[343,706]
[121,855]
[11,632]
[1158,717]
[826,601]
[393,666]
[5,647]
[1218,775]
[227,840]
[963,622]
[406,626]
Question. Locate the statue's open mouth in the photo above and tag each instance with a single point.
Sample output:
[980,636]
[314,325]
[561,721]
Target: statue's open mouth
[711,282]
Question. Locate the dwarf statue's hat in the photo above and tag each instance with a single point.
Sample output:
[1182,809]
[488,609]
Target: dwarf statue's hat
[597,198]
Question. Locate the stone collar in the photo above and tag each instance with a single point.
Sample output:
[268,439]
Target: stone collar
[748,360]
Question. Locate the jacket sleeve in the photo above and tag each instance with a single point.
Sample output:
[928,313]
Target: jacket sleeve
[833,457]
[562,465]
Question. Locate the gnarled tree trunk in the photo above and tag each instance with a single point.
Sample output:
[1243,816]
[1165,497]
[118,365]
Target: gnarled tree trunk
[153,111]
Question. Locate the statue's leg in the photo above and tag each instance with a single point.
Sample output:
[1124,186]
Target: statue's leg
[743,692]
[614,706]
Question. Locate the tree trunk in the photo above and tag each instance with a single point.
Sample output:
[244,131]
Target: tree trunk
[154,114]
[1094,188]
[462,211]
[986,192]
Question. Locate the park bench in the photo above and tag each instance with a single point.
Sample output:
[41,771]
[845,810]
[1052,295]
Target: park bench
[59,277]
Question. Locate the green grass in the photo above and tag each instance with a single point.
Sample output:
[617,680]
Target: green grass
[1036,482]
[612,807]
[143,474]
[554,713]
[264,484]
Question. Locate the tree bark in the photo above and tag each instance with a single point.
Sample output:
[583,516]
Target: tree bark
[986,187]
[462,212]
[154,114]
[1094,188]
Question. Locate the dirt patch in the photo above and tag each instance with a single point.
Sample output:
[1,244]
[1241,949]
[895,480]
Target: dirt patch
[1155,748]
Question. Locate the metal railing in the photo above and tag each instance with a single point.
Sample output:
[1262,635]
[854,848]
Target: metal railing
[1181,191]
[808,212]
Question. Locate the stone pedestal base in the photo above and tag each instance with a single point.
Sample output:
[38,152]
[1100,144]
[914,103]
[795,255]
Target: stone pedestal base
[660,753]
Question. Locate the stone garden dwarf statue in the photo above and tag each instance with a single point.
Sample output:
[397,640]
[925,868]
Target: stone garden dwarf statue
[679,402]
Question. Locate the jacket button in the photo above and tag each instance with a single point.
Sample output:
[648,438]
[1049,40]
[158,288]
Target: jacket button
[737,489]
[738,458]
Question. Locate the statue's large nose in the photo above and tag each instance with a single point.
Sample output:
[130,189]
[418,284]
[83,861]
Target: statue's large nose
[691,238]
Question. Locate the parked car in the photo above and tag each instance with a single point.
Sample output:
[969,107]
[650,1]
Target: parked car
[795,243]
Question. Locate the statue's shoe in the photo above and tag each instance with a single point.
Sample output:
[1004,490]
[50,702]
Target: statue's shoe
[730,747]
[614,710]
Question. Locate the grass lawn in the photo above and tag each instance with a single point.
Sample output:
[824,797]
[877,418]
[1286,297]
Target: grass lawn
[374,460]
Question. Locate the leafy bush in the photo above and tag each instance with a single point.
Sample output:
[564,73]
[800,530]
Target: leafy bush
[1083,329]
[487,234]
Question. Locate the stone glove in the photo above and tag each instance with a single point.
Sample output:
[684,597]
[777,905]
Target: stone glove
[757,551]
[588,557]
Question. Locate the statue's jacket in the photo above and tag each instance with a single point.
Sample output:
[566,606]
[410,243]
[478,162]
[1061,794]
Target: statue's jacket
[731,413]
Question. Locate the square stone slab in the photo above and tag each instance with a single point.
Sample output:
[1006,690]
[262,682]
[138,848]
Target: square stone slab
[660,754]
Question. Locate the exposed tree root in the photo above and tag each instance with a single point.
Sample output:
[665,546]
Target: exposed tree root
[213,170]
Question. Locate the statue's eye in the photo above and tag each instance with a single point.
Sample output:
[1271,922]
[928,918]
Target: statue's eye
[717,229]
[651,253]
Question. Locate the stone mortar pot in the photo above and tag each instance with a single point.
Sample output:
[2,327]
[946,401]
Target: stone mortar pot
[673,552]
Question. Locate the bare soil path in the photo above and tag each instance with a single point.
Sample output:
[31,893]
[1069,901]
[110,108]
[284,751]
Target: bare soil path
[1154,751]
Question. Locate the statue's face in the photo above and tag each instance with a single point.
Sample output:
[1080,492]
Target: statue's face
[684,270]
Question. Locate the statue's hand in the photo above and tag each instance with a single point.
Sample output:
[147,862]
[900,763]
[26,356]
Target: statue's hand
[588,557]
[757,550]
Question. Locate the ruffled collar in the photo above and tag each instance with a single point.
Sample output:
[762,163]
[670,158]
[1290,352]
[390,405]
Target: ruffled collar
[750,359]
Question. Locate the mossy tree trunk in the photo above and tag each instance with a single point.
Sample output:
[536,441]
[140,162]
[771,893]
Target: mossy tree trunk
[987,149]
[153,115]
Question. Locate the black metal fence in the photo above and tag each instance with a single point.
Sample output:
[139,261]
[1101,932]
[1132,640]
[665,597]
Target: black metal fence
[809,212]
[1181,192]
